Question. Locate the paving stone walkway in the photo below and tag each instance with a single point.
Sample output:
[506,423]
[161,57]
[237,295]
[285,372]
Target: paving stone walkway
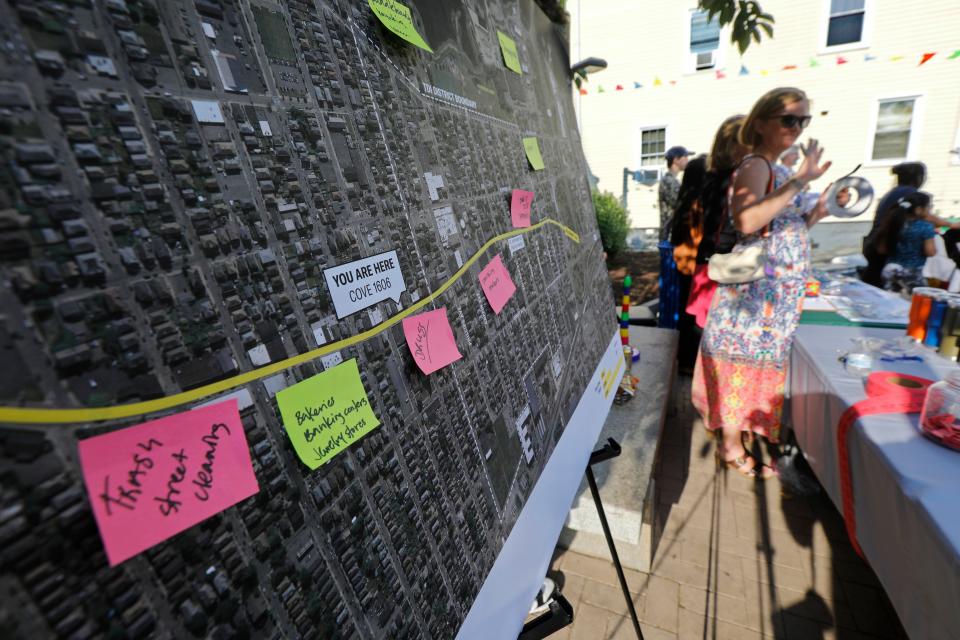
[736,559]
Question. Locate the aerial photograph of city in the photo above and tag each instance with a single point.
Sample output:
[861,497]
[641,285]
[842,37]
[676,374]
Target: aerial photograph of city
[183,185]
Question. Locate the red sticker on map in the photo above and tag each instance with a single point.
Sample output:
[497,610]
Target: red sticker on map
[431,340]
[152,481]
[520,202]
[497,284]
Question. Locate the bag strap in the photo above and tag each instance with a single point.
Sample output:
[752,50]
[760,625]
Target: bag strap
[733,178]
[720,224]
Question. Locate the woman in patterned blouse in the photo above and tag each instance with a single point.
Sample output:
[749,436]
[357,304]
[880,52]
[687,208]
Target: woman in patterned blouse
[740,373]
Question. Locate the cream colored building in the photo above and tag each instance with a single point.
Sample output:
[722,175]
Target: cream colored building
[859,60]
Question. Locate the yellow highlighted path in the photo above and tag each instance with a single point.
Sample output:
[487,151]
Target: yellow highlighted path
[30,415]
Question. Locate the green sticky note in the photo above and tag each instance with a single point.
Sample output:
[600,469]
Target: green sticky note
[509,49]
[532,147]
[396,17]
[326,413]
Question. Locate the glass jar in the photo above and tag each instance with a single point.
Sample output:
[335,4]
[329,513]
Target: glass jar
[940,420]
[859,363]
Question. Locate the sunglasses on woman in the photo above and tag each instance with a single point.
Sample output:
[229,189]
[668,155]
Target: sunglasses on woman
[789,121]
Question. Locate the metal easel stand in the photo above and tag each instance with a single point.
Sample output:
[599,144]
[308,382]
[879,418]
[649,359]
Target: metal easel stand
[611,450]
[561,613]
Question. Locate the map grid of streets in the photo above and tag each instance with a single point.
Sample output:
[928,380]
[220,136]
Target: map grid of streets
[176,176]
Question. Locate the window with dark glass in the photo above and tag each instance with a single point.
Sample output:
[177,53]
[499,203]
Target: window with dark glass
[846,22]
[653,147]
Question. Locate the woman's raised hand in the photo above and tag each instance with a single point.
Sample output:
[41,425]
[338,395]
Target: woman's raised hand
[819,211]
[811,169]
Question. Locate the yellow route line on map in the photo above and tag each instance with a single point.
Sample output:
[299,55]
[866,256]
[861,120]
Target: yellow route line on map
[37,415]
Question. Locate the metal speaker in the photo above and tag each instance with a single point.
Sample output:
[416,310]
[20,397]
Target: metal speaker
[849,197]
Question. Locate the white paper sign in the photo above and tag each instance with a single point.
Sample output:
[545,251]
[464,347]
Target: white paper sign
[331,360]
[354,286]
[515,243]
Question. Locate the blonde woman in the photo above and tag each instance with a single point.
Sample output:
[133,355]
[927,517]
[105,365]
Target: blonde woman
[740,372]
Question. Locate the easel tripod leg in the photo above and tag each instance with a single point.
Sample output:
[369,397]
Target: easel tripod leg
[613,551]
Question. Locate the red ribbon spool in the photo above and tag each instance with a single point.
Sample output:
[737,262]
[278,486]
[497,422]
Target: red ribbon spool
[887,392]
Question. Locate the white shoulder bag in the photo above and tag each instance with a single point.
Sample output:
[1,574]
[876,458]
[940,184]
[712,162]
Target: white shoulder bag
[748,265]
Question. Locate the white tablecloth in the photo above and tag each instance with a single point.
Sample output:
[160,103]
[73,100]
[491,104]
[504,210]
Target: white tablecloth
[906,488]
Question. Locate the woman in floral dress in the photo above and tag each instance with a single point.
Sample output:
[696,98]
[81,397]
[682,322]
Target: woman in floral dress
[741,369]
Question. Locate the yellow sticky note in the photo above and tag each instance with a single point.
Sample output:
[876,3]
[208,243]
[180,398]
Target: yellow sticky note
[396,17]
[326,413]
[509,49]
[532,147]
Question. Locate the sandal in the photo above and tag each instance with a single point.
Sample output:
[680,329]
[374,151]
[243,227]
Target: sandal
[740,462]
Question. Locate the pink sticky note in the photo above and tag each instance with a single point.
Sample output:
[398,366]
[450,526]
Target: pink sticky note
[520,202]
[152,481]
[497,284]
[431,340]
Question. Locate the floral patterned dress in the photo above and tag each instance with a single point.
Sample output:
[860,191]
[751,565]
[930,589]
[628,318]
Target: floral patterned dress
[742,366]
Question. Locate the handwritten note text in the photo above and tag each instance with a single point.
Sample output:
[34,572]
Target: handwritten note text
[326,413]
[152,481]
[520,202]
[497,284]
[431,340]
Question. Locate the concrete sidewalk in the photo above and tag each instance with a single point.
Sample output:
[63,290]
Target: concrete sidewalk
[736,560]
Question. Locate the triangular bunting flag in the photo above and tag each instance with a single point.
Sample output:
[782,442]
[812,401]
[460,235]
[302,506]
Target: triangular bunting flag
[789,67]
[954,55]
[841,60]
[721,75]
[926,57]
[600,89]
[637,85]
[583,92]
[743,71]
[673,83]
[656,82]
[764,72]
[867,57]
[896,58]
[619,87]
[814,63]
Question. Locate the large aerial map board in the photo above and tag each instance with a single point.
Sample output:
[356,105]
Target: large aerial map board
[187,187]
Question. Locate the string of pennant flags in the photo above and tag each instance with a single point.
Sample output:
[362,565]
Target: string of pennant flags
[744,71]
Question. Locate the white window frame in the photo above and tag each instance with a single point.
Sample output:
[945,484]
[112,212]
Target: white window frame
[639,147]
[690,59]
[916,128]
[869,13]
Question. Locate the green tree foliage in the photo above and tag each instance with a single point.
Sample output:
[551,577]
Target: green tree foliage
[197,624]
[226,609]
[150,13]
[747,17]
[612,220]
[304,576]
[248,577]
[115,632]
[579,77]
[314,607]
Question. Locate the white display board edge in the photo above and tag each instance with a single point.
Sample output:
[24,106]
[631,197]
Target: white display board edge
[499,610]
